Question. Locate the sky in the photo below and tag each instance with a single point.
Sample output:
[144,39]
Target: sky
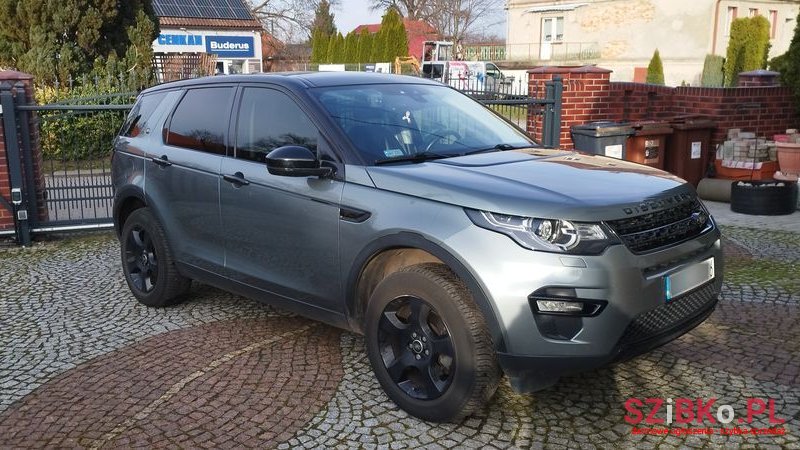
[352,13]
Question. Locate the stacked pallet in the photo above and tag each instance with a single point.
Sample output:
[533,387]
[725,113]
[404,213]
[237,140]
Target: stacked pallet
[744,155]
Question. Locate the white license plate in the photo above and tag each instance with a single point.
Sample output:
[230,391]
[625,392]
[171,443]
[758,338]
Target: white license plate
[688,278]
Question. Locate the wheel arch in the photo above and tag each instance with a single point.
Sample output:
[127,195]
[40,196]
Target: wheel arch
[391,253]
[126,201]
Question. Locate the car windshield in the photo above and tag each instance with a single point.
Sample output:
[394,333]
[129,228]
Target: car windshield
[415,122]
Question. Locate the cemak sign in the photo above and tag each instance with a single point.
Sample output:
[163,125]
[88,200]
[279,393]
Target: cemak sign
[231,46]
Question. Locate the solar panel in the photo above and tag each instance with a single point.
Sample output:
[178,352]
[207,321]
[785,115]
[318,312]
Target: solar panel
[203,9]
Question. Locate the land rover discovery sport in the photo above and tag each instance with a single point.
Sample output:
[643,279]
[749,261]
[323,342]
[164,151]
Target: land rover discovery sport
[401,209]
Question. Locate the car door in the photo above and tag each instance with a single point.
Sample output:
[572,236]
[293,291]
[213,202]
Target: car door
[183,175]
[281,233]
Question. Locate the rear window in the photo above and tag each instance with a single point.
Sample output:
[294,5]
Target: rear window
[141,113]
[201,119]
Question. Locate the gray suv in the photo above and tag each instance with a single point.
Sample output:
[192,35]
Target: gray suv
[403,210]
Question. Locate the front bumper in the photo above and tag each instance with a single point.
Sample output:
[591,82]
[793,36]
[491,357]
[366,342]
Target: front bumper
[636,317]
[646,332]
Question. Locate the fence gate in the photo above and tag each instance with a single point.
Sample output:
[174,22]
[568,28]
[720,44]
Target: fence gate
[541,114]
[60,175]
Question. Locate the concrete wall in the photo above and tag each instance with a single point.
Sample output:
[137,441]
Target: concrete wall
[627,32]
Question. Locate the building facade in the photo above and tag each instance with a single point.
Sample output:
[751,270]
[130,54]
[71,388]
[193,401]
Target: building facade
[206,36]
[622,35]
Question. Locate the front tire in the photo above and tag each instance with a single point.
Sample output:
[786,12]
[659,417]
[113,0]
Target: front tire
[429,345]
[147,262]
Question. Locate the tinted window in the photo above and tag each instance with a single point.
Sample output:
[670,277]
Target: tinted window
[201,119]
[139,116]
[269,119]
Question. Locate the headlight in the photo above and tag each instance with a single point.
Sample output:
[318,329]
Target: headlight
[550,235]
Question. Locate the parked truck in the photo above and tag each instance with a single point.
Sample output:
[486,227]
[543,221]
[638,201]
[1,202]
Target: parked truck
[481,78]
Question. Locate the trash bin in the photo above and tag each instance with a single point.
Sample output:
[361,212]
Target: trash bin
[689,147]
[601,138]
[648,143]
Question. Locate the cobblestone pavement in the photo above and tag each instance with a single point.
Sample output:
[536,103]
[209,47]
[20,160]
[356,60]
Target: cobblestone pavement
[83,365]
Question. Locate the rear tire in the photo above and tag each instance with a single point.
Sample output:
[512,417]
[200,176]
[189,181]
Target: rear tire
[429,345]
[147,262]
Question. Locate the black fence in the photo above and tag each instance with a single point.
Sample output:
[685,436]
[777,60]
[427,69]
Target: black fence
[67,185]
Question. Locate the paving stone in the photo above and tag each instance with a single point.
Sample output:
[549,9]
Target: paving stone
[81,363]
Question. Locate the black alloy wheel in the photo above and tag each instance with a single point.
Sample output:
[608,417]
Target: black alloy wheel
[429,345]
[147,261]
[416,348]
[141,260]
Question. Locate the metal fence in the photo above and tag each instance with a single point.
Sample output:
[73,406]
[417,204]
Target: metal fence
[67,184]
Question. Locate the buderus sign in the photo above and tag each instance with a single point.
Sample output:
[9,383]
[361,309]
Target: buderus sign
[231,46]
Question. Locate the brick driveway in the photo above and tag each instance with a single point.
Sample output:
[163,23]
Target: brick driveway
[83,365]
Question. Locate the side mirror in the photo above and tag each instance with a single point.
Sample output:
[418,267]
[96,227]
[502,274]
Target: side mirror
[295,161]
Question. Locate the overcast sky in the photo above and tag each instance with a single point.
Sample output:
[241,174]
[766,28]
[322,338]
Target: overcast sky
[352,13]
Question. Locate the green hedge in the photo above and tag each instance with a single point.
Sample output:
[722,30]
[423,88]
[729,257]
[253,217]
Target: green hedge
[713,74]
[748,47]
[80,135]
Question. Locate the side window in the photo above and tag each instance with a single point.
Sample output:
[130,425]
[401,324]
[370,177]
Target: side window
[201,120]
[138,118]
[269,119]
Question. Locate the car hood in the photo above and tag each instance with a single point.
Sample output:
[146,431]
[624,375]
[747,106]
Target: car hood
[534,182]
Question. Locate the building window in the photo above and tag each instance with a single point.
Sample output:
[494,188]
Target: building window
[733,12]
[753,12]
[773,23]
[553,29]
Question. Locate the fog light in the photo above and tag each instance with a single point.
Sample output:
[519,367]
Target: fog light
[559,306]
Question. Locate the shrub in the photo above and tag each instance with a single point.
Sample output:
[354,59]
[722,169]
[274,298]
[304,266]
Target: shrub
[747,48]
[81,135]
[713,75]
[655,70]
[788,64]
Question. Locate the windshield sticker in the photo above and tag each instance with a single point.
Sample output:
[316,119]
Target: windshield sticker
[393,152]
[407,117]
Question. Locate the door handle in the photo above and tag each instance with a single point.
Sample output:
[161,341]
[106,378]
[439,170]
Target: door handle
[163,161]
[236,179]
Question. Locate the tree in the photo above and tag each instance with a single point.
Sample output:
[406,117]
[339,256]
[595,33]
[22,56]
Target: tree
[61,39]
[323,19]
[788,64]
[393,35]
[747,48]
[713,76]
[655,70]
[365,39]
[351,48]
[410,9]
[289,20]
[452,19]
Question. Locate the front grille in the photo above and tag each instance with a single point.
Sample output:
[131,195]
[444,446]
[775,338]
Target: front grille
[671,226]
[654,323]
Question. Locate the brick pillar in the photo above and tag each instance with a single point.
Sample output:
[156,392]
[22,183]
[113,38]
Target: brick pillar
[21,84]
[587,91]
[758,78]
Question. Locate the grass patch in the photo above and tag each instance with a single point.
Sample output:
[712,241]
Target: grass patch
[767,272]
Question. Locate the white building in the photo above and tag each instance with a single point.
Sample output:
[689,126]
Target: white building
[621,35]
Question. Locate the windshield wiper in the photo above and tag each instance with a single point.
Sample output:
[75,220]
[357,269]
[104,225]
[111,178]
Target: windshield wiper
[416,157]
[498,147]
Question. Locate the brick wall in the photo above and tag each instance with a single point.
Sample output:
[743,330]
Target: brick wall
[590,96]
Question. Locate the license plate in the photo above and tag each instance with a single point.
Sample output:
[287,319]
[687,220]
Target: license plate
[688,278]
